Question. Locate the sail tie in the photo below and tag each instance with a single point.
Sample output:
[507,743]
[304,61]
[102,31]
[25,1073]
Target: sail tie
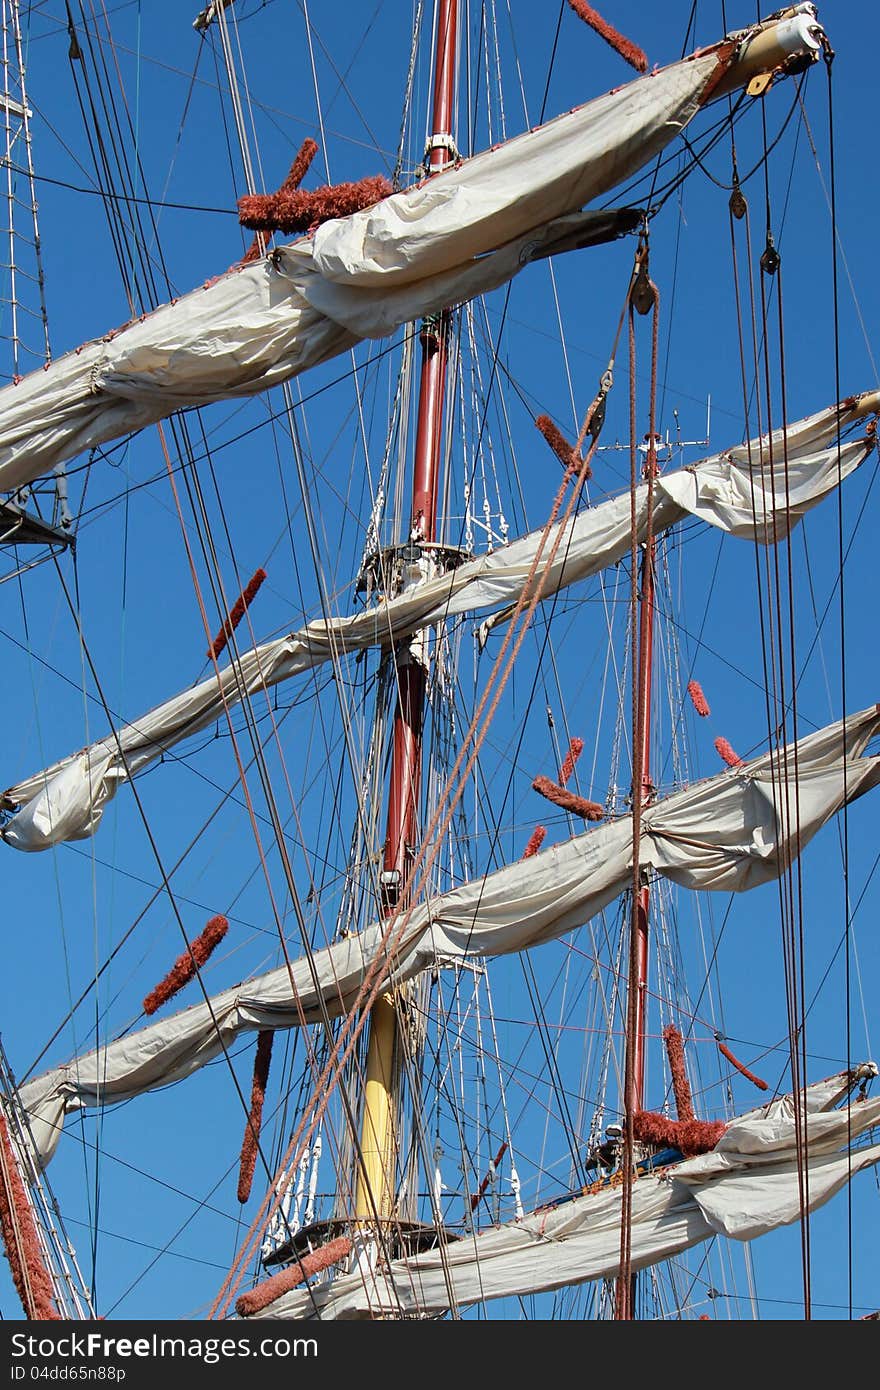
[256,1299]
[297,172]
[735,1062]
[251,1141]
[686,1133]
[635,56]
[725,751]
[239,608]
[186,965]
[299,211]
[698,699]
[30,1276]
[568,801]
[568,456]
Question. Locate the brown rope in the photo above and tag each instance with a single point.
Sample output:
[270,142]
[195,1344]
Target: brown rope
[575,748]
[567,455]
[536,840]
[690,1137]
[725,751]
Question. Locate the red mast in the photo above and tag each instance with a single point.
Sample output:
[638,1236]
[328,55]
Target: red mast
[376,1182]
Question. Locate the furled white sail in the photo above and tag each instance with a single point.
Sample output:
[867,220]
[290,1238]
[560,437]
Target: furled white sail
[461,232]
[729,833]
[751,1183]
[756,491]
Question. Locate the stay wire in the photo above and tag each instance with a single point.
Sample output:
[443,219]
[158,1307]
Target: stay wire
[843,674]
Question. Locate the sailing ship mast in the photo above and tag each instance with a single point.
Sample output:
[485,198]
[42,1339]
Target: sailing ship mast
[375,1189]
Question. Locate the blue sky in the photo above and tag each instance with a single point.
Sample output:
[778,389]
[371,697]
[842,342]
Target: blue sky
[144,632]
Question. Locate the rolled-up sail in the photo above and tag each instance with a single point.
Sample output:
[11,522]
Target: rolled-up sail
[729,833]
[751,1183]
[459,233]
[756,491]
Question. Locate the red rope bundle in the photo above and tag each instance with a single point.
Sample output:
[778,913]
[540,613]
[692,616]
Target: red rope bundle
[186,965]
[296,211]
[298,170]
[251,1140]
[239,608]
[255,1300]
[698,699]
[750,1075]
[536,840]
[568,801]
[684,1105]
[691,1137]
[634,55]
[575,748]
[724,750]
[568,456]
[33,1284]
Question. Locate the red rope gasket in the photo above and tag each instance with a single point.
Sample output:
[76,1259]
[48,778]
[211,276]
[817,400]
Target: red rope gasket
[698,699]
[296,211]
[536,840]
[568,801]
[691,1137]
[734,1062]
[184,968]
[628,50]
[30,1276]
[684,1104]
[242,603]
[724,750]
[255,1300]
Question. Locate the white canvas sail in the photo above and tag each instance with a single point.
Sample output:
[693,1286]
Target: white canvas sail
[749,1184]
[458,234]
[729,833]
[756,491]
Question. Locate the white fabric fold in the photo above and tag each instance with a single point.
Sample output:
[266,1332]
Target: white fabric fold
[727,834]
[66,801]
[726,1193]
